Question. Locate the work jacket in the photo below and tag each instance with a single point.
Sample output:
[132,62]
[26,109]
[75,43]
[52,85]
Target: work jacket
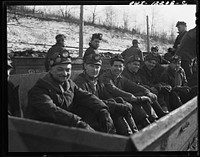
[55,48]
[174,78]
[51,102]
[122,87]
[14,107]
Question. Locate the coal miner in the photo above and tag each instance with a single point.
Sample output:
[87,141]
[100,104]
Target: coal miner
[56,98]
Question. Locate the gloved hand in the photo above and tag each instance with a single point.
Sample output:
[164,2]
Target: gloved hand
[84,125]
[123,109]
[106,122]
[166,88]
[184,89]
[152,96]
[143,99]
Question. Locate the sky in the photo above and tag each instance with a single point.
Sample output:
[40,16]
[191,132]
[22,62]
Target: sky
[165,17]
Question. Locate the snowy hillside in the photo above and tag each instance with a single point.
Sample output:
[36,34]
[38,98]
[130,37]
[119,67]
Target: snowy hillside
[34,31]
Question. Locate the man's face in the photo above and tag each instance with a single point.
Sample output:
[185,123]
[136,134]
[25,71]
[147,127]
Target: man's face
[133,66]
[117,68]
[92,70]
[181,28]
[61,72]
[62,41]
[150,64]
[95,43]
[175,65]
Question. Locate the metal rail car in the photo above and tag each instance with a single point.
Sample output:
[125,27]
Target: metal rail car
[176,131]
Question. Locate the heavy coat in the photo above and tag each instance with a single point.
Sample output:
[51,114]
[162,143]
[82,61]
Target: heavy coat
[90,50]
[122,87]
[178,40]
[14,107]
[116,109]
[49,101]
[188,48]
[55,48]
[132,51]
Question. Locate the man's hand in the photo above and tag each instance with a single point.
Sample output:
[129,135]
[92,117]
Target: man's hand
[152,96]
[154,90]
[143,99]
[84,125]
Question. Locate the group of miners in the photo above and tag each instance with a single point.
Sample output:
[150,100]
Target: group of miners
[134,92]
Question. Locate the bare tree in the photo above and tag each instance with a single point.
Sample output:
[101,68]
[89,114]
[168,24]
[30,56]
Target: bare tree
[154,20]
[94,14]
[110,16]
[125,20]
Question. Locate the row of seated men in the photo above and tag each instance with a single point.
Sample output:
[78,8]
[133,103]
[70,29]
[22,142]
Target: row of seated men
[122,100]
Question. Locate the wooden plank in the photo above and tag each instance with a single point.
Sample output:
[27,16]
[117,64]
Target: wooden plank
[170,133]
[30,135]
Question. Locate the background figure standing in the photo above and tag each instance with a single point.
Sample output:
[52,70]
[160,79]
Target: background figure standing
[93,45]
[182,29]
[187,52]
[60,43]
[133,50]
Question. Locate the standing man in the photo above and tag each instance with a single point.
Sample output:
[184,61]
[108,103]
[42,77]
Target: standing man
[56,98]
[182,29]
[93,45]
[133,50]
[60,43]
[188,51]
[120,112]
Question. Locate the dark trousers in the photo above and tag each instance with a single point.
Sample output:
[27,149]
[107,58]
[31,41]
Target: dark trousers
[185,97]
[186,65]
[174,101]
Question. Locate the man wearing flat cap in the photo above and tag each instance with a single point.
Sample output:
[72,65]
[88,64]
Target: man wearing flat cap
[93,45]
[182,29]
[133,50]
[60,43]
[55,98]
[175,76]
[119,109]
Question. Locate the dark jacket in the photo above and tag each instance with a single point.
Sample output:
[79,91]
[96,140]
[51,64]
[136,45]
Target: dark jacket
[134,77]
[168,77]
[14,107]
[90,50]
[93,86]
[188,48]
[149,78]
[51,102]
[122,87]
[55,48]
[178,40]
[97,88]
[132,51]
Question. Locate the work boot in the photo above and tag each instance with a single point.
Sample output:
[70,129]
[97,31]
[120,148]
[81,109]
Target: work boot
[143,124]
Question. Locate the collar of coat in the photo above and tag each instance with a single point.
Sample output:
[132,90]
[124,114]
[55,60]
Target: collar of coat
[50,82]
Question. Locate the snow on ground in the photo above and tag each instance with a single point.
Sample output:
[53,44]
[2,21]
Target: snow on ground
[35,31]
